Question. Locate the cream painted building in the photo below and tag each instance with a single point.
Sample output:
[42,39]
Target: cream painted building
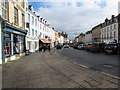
[109,30]
[13,31]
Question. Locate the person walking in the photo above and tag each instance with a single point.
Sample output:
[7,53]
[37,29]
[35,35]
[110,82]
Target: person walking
[49,48]
[44,48]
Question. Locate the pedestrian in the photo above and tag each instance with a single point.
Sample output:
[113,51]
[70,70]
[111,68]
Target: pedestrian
[49,48]
[44,48]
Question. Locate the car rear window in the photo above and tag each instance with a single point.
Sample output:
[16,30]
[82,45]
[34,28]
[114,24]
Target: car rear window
[111,44]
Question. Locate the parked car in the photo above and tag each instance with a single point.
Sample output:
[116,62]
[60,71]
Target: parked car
[111,48]
[58,46]
[75,46]
[81,46]
[118,48]
[66,46]
[89,47]
[98,47]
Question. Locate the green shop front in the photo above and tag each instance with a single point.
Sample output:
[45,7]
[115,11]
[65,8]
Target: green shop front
[13,42]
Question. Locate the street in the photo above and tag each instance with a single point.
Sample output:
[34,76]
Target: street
[49,70]
[97,61]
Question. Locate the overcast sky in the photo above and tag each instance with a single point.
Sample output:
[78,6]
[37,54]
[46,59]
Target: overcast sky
[75,16]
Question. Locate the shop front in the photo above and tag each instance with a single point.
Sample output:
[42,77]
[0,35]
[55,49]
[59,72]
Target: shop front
[42,43]
[32,44]
[13,43]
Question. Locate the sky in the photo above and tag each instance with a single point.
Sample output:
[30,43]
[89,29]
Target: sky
[75,16]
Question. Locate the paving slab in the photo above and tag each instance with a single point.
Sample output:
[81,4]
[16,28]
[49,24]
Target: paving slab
[49,70]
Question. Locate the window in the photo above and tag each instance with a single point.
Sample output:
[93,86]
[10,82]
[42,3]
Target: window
[110,34]
[28,17]
[19,44]
[40,26]
[32,20]
[102,36]
[107,28]
[15,16]
[111,27]
[22,49]
[32,32]
[114,34]
[23,3]
[16,44]
[4,9]
[36,44]
[35,22]
[107,35]
[114,26]
[36,32]
[23,20]
[7,45]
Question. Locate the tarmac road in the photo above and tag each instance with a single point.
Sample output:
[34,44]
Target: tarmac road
[97,61]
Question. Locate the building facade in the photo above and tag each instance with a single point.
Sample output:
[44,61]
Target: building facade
[96,33]
[13,30]
[33,30]
[81,38]
[119,7]
[88,37]
[109,30]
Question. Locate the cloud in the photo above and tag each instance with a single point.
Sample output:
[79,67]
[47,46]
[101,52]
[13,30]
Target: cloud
[80,16]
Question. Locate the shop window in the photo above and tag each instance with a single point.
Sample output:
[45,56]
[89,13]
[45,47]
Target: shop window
[36,44]
[7,44]
[18,44]
[22,49]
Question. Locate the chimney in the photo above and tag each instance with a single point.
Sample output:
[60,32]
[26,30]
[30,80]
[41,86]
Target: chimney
[30,7]
[106,19]
[112,16]
[41,19]
[45,22]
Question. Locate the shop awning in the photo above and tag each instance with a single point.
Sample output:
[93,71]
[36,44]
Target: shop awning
[45,41]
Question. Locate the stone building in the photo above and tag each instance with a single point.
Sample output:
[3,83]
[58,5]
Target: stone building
[81,38]
[13,29]
[109,30]
[96,33]
[88,37]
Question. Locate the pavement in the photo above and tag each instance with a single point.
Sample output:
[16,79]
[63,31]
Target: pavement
[49,70]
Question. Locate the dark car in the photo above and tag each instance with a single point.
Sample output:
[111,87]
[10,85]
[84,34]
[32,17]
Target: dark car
[118,48]
[58,46]
[89,47]
[111,48]
[98,47]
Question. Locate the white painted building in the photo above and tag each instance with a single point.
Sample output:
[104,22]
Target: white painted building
[61,39]
[109,30]
[33,30]
[119,7]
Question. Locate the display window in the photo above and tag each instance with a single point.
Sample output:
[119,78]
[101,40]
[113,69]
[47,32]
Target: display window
[7,44]
[18,44]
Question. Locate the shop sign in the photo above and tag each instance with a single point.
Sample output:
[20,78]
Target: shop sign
[16,32]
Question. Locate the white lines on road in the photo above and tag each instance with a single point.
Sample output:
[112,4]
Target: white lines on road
[81,65]
[111,75]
